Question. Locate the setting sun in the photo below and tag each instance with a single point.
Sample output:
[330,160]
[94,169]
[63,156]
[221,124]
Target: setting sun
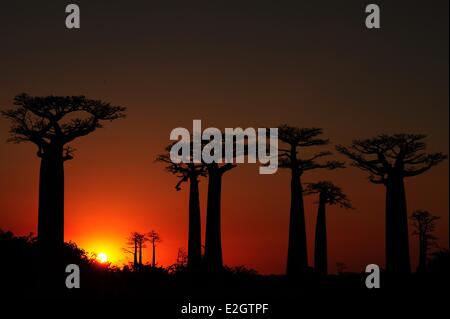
[102,257]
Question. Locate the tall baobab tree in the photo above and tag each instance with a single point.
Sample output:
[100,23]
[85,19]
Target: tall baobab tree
[424,224]
[389,159]
[329,194]
[51,123]
[141,239]
[154,238]
[294,139]
[213,260]
[189,172]
[135,243]
[213,238]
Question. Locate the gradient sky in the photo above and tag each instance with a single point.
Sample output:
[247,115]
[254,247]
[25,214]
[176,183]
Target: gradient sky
[262,63]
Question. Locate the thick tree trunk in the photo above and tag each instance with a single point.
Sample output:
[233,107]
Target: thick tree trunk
[135,260]
[389,236]
[297,261]
[194,236]
[423,247]
[51,220]
[51,202]
[213,244]
[140,255]
[320,248]
[154,254]
[397,242]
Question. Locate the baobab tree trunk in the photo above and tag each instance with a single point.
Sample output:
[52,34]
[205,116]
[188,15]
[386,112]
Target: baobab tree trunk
[135,260]
[213,244]
[140,255]
[297,261]
[51,219]
[397,243]
[51,202]
[320,247]
[154,254]
[423,250]
[194,236]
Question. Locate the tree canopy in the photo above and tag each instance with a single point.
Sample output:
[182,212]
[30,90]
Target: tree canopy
[332,194]
[383,154]
[295,138]
[57,119]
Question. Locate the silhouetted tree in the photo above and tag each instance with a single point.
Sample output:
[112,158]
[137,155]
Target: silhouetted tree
[141,239]
[189,172]
[329,194]
[294,139]
[51,122]
[389,159]
[132,248]
[181,263]
[213,238]
[213,259]
[182,258]
[424,224]
[135,244]
[154,238]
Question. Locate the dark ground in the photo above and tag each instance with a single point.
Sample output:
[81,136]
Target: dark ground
[161,293]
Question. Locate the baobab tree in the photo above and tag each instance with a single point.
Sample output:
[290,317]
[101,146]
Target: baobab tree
[424,224]
[213,260]
[154,238]
[135,243]
[189,172]
[389,159]
[329,194]
[213,239]
[51,123]
[294,139]
[141,239]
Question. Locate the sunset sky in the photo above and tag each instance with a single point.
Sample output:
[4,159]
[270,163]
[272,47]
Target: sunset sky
[258,64]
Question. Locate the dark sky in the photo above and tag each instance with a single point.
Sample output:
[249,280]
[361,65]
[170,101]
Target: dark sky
[228,63]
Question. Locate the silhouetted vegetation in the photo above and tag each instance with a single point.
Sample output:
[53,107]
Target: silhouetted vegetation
[189,172]
[51,123]
[154,238]
[389,159]
[424,224]
[294,139]
[329,194]
[175,284]
[34,264]
[213,259]
[135,244]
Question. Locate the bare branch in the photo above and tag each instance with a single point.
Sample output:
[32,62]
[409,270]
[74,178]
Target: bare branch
[428,162]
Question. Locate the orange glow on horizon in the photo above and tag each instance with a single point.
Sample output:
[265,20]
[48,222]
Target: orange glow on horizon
[104,251]
[172,72]
[102,257]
